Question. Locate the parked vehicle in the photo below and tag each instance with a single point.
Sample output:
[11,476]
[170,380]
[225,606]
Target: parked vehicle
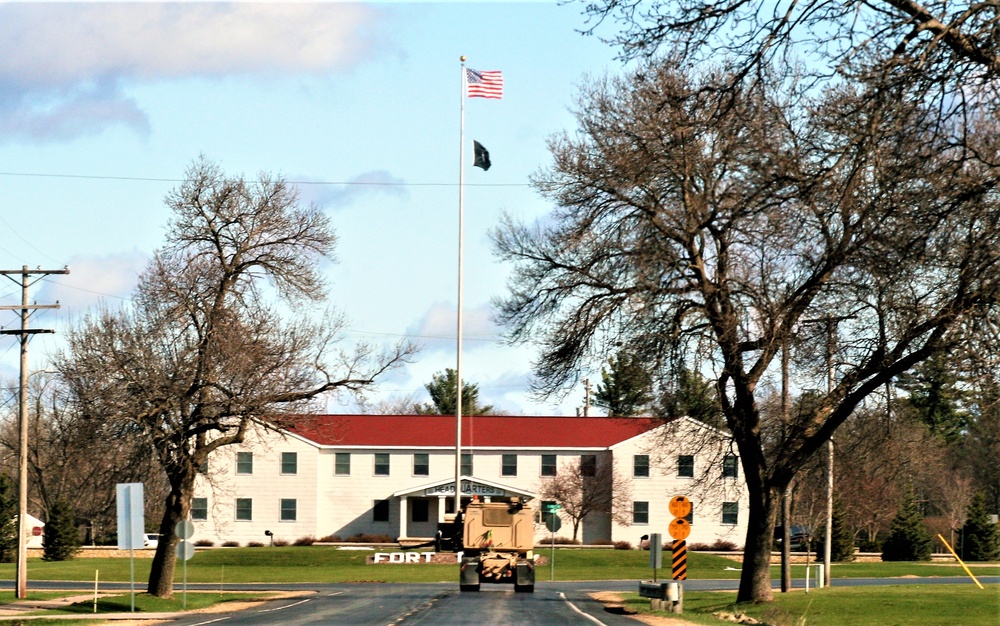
[151,541]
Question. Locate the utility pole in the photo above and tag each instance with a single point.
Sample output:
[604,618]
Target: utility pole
[23,334]
[586,406]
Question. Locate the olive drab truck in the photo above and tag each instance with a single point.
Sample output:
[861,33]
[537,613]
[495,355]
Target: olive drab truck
[497,545]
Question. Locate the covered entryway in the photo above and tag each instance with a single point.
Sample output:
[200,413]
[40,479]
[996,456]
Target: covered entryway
[422,508]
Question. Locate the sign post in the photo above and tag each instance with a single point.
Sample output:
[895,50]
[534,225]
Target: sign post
[131,525]
[185,550]
[553,523]
[680,528]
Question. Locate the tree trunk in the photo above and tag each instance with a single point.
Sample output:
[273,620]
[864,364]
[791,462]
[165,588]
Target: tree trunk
[178,506]
[755,578]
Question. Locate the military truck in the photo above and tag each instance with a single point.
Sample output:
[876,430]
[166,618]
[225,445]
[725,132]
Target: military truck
[497,545]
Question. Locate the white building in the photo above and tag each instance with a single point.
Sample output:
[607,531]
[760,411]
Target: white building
[344,475]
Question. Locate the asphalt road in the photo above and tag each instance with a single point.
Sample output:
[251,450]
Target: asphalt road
[442,603]
[380,604]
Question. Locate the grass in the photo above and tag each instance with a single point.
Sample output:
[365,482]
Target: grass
[327,564]
[145,603]
[890,605]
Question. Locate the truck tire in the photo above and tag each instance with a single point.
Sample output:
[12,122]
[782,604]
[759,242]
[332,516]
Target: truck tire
[468,587]
[524,588]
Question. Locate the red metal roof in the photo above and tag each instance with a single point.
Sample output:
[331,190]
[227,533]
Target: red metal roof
[492,431]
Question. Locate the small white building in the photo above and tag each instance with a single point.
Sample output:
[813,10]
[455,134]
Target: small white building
[345,475]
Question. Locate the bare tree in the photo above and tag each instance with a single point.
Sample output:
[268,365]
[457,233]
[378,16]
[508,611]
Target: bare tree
[589,486]
[203,354]
[729,218]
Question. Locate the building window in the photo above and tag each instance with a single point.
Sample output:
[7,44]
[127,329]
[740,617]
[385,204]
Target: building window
[419,510]
[640,512]
[342,464]
[288,510]
[508,465]
[548,465]
[203,468]
[466,464]
[289,462]
[381,463]
[730,512]
[690,516]
[640,466]
[421,464]
[380,512]
[588,465]
[199,509]
[244,509]
[685,466]
[244,462]
[730,466]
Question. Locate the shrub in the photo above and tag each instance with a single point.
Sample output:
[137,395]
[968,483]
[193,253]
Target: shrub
[279,543]
[62,539]
[308,540]
[330,539]
[204,543]
[565,541]
[366,538]
[720,545]
[230,544]
[623,545]
[980,536]
[908,539]
[254,544]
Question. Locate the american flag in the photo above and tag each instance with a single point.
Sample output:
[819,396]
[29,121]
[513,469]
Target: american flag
[484,84]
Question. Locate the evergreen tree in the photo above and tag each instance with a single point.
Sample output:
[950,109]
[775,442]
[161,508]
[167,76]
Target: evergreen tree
[935,398]
[980,537]
[908,539]
[8,519]
[626,387]
[692,396]
[62,538]
[444,390]
[842,548]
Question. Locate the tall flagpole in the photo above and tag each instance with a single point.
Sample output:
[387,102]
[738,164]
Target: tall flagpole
[458,330]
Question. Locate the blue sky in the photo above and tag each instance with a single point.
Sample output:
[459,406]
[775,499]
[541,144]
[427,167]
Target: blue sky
[104,106]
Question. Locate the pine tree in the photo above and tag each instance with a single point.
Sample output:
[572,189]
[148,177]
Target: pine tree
[8,519]
[980,537]
[443,390]
[842,548]
[626,387]
[908,539]
[62,538]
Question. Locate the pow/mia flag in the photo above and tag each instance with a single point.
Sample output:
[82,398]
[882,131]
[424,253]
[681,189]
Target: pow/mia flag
[482,156]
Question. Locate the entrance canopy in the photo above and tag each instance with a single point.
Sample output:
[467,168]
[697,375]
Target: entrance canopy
[471,486]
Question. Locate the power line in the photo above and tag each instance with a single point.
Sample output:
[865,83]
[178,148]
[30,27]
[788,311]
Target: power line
[145,179]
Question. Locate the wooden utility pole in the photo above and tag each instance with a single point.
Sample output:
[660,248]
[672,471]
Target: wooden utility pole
[23,334]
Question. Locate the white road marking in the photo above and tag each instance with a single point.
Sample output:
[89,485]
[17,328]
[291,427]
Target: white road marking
[211,621]
[282,608]
[573,606]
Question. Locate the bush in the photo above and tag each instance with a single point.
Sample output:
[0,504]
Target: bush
[254,544]
[908,539]
[720,545]
[62,538]
[366,538]
[980,537]
[308,540]
[230,544]
[205,543]
[564,541]
[279,543]
[623,545]
[330,539]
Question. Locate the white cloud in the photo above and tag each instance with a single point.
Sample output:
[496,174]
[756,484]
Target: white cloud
[63,67]
[335,196]
[51,45]
[109,278]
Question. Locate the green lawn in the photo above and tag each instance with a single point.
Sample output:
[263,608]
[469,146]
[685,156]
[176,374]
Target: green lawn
[891,605]
[327,564]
